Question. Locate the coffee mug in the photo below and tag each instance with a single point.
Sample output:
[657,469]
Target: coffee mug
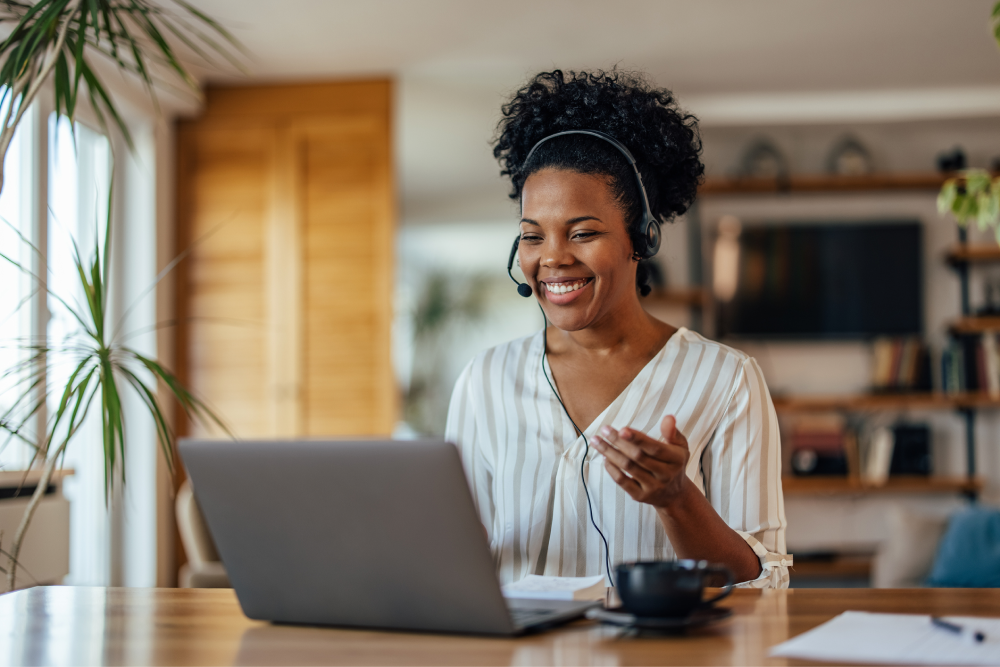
[667,588]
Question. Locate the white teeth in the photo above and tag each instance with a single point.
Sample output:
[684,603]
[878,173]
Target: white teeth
[565,288]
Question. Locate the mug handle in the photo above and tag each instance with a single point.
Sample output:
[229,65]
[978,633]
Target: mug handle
[726,590]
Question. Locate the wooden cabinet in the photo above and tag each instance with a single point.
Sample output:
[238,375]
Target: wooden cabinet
[285,202]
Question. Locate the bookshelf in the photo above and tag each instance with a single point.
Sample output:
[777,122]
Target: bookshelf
[877,402]
[823,183]
[838,485]
[966,404]
[832,569]
[692,297]
[960,258]
[973,254]
[971,326]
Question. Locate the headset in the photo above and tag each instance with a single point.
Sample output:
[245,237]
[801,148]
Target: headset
[646,244]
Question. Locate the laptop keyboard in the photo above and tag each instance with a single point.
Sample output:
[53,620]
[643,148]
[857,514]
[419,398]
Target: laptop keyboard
[528,617]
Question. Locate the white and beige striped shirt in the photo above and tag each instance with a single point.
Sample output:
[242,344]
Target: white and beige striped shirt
[523,458]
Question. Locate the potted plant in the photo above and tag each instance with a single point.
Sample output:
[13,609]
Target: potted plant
[974,194]
[54,41]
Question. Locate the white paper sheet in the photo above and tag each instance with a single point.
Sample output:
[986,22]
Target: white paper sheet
[538,587]
[857,636]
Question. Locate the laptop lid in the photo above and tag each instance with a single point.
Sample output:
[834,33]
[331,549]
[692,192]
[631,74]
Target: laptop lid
[380,534]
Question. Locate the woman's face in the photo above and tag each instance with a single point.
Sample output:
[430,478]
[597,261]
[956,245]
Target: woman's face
[575,251]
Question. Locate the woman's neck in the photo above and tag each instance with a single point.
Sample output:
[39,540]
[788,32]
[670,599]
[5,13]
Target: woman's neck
[627,329]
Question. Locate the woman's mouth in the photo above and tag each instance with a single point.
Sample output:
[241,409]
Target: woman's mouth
[563,288]
[565,291]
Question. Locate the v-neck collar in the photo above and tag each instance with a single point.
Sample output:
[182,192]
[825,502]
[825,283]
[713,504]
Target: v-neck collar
[600,419]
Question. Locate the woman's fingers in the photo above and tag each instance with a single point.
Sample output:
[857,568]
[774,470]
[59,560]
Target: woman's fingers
[670,432]
[634,469]
[628,484]
[638,445]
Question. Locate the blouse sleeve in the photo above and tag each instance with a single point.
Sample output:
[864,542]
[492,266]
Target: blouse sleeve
[462,430]
[742,468]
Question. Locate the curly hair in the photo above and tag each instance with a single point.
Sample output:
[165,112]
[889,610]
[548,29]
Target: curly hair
[663,139]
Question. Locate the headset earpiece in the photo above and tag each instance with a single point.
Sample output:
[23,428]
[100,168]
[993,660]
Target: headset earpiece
[647,242]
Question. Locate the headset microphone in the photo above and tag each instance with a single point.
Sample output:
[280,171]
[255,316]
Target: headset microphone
[522,288]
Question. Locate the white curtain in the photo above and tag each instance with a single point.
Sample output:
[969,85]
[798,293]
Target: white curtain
[16,216]
[78,186]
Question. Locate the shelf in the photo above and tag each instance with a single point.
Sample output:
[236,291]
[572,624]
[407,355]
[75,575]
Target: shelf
[876,402]
[840,565]
[975,325]
[14,478]
[970,254]
[823,183]
[693,297]
[835,486]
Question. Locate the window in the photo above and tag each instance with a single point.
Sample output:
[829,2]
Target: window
[78,185]
[58,179]
[16,216]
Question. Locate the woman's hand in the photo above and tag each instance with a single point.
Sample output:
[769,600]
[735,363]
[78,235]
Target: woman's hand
[650,471]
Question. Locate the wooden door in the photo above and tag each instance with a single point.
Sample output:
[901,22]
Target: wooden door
[285,200]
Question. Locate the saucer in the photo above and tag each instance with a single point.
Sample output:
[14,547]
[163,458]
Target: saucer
[695,619]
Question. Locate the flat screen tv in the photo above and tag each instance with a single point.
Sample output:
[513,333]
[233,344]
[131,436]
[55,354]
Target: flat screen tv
[823,281]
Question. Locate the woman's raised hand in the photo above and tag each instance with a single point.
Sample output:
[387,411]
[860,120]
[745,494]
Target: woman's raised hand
[650,471]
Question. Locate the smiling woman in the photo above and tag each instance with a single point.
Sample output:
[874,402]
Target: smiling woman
[679,455]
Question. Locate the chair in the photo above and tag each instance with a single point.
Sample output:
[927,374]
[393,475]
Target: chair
[203,569]
[906,555]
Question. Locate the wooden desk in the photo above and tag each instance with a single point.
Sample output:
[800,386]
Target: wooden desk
[94,626]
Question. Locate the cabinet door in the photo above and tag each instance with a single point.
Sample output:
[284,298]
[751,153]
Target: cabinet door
[224,174]
[347,383]
[287,305]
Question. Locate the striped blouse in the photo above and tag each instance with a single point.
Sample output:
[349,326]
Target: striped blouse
[523,458]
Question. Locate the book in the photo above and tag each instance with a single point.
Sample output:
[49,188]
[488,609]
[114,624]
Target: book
[953,369]
[900,364]
[992,357]
[907,363]
[537,587]
[882,363]
[878,457]
[852,454]
[817,445]
[970,366]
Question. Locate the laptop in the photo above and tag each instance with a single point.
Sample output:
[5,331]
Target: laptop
[368,534]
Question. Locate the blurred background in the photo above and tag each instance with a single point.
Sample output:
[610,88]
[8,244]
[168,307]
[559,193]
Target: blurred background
[348,231]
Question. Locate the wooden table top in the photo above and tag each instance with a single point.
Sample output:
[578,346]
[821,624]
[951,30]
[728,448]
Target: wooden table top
[139,626]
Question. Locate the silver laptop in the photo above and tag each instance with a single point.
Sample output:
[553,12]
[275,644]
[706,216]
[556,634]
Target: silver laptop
[375,534]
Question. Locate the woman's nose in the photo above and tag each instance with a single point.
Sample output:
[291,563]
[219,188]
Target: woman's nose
[556,252]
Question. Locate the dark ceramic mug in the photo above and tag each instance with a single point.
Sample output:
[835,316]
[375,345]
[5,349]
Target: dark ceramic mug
[667,588]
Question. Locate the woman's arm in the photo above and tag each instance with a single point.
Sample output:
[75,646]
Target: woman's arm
[462,430]
[652,472]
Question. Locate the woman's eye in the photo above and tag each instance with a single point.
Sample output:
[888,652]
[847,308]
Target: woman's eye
[584,235]
[530,238]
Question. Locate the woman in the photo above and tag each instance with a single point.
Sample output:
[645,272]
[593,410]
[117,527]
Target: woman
[611,436]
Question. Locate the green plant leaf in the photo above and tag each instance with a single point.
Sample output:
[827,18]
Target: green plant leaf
[946,198]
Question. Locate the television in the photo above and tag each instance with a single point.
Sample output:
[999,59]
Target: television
[819,280]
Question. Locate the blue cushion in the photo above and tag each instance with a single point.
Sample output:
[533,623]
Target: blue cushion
[969,553]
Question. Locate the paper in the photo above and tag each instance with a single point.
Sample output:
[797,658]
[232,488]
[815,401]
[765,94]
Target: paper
[857,636]
[537,587]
